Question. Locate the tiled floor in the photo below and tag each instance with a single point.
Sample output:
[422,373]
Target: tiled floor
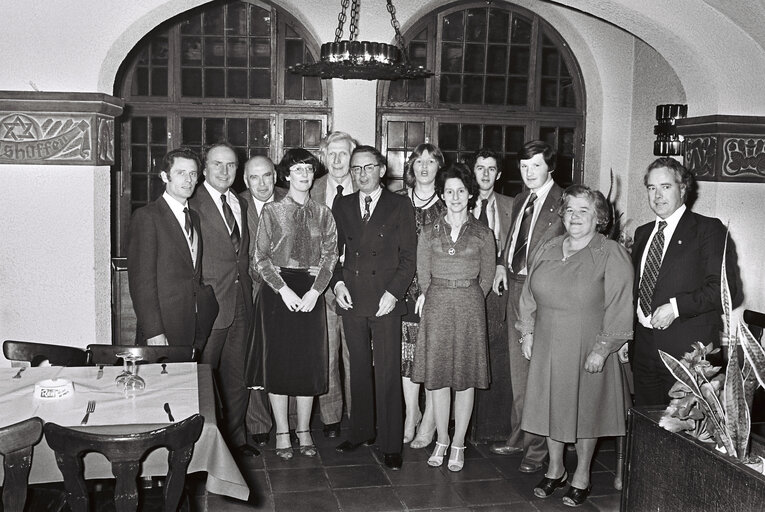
[359,481]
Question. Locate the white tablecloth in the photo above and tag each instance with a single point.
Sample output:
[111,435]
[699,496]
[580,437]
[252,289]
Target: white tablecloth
[178,388]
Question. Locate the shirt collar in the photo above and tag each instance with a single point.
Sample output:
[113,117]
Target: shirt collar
[215,194]
[347,182]
[673,219]
[173,203]
[544,190]
[374,195]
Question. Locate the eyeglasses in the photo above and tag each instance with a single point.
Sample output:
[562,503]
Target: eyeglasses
[186,174]
[369,168]
[230,166]
[304,169]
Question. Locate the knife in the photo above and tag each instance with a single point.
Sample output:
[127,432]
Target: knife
[169,414]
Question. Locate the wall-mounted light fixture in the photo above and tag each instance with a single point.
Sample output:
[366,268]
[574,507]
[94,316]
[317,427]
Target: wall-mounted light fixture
[668,142]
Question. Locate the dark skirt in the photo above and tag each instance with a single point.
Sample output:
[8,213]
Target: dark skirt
[288,353]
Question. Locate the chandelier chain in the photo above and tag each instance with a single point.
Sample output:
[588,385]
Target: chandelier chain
[353,30]
[397,29]
[341,17]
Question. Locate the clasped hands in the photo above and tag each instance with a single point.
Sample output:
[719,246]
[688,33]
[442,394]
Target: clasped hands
[343,296]
[304,304]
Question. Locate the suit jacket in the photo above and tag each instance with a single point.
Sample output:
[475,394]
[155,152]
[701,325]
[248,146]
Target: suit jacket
[505,216]
[162,278]
[547,226]
[690,272]
[223,269]
[319,189]
[252,222]
[379,257]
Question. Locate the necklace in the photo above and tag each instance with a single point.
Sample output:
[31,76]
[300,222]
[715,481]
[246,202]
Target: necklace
[424,202]
[453,243]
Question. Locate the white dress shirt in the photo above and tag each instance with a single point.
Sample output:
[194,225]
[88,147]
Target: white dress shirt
[232,201]
[375,199]
[177,209]
[259,204]
[347,183]
[669,230]
[540,200]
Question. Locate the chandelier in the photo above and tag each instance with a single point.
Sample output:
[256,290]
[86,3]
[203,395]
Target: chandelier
[351,59]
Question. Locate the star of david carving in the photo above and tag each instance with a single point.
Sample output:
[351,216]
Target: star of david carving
[24,131]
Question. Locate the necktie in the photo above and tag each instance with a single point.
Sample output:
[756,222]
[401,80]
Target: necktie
[367,202]
[519,256]
[483,217]
[231,223]
[187,224]
[337,196]
[651,269]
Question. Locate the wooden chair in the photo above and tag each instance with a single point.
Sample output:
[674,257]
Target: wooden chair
[16,445]
[36,353]
[107,354]
[125,452]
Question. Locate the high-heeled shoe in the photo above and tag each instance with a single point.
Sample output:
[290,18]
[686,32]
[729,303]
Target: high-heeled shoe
[437,457]
[423,439]
[546,487]
[456,458]
[284,453]
[309,450]
[409,432]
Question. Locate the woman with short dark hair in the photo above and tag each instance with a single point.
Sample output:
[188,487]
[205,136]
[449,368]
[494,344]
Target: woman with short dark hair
[576,309]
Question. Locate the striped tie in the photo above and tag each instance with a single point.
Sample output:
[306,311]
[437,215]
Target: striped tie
[231,222]
[518,262]
[651,270]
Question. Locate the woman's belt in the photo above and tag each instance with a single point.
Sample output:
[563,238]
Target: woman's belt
[453,283]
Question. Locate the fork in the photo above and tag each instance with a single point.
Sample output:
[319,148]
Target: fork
[91,408]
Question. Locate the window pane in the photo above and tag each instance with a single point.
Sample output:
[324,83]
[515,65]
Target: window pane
[293,52]
[260,135]
[451,58]
[516,91]
[567,96]
[141,82]
[396,131]
[514,138]
[191,82]
[138,130]
[415,134]
[448,136]
[236,54]
[157,152]
[159,130]
[476,25]
[519,60]
[397,90]
[496,59]
[159,82]
[396,161]
[260,53]
[416,89]
[293,86]
[495,90]
[214,82]
[549,93]
[521,31]
[139,157]
[237,131]
[139,192]
[450,88]
[236,19]
[418,54]
[191,52]
[471,137]
[192,25]
[312,86]
[492,137]
[213,21]
[498,26]
[292,133]
[159,51]
[191,131]
[311,134]
[260,84]
[214,131]
[474,58]
[453,27]
[550,62]
[214,51]
[237,83]
[472,92]
[261,22]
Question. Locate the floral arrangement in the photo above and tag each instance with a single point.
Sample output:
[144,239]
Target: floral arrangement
[711,405]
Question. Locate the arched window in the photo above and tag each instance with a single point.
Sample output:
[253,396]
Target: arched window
[217,72]
[502,76]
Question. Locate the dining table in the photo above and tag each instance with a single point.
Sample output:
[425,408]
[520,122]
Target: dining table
[175,389]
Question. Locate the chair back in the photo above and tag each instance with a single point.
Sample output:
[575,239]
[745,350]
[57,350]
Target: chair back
[36,353]
[107,354]
[16,442]
[756,322]
[125,452]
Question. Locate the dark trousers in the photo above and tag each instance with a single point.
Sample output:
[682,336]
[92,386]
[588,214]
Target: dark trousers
[375,380]
[651,377]
[225,352]
[534,446]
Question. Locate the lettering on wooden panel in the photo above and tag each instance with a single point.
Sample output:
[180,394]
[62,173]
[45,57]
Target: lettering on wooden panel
[45,138]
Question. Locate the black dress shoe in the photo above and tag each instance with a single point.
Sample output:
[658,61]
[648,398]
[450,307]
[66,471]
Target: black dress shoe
[393,461]
[261,439]
[247,450]
[530,467]
[332,429]
[347,446]
[547,486]
[576,496]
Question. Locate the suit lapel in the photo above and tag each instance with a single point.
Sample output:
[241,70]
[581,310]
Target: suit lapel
[177,236]
[547,215]
[382,212]
[673,255]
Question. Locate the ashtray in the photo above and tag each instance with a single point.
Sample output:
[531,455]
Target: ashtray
[53,389]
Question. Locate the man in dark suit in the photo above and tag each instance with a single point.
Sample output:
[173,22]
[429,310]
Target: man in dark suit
[335,151]
[223,223]
[677,260]
[164,264]
[534,221]
[376,232]
[491,421]
[260,180]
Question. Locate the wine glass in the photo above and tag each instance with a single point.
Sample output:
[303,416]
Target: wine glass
[120,379]
[134,384]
